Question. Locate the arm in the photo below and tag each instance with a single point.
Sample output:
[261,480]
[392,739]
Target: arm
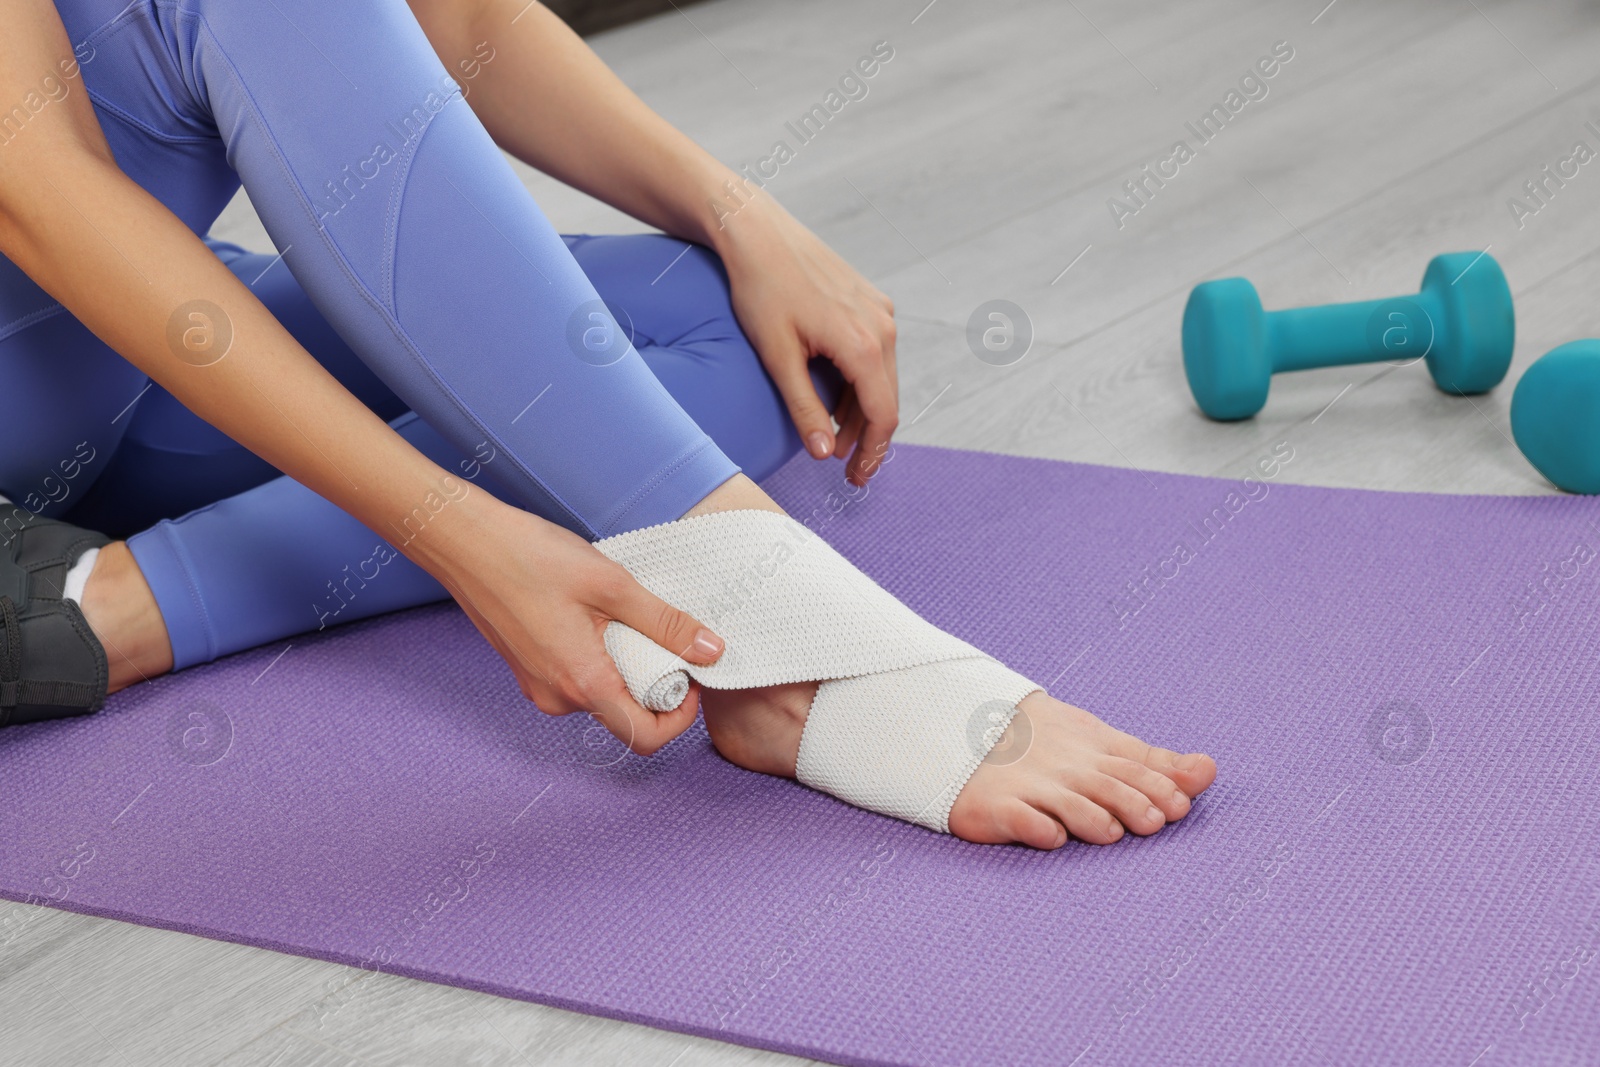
[136,276]
[116,258]
[547,99]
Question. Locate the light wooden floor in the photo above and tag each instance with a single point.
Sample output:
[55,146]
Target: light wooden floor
[978,167]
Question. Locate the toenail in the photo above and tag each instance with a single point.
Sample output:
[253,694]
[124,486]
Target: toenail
[1187,763]
[1153,815]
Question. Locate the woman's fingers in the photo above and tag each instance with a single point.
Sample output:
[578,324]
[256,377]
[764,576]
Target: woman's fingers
[880,410]
[676,631]
[797,300]
[848,416]
[863,350]
[890,358]
[788,363]
[543,602]
[642,731]
[599,685]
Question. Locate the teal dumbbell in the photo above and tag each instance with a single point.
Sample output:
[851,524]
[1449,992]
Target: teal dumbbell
[1555,416]
[1461,322]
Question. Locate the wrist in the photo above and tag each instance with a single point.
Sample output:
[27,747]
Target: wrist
[444,525]
[739,216]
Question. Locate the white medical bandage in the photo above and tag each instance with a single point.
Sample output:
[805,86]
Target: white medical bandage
[905,712]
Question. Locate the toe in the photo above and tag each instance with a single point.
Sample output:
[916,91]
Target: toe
[1028,825]
[1128,804]
[1157,787]
[1086,820]
[1009,821]
[1192,773]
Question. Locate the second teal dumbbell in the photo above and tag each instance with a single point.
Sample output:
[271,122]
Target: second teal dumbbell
[1555,415]
[1461,323]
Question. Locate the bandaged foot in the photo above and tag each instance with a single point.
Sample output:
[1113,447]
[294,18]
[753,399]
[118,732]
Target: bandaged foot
[904,714]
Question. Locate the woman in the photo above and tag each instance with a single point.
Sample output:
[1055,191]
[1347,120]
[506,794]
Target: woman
[435,296]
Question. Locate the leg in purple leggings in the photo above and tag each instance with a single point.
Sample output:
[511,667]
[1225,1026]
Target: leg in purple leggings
[404,224]
[428,261]
[264,558]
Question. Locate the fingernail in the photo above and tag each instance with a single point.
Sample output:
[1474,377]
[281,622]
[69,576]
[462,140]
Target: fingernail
[819,444]
[707,644]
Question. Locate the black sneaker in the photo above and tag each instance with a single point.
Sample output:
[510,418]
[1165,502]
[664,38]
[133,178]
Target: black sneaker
[51,663]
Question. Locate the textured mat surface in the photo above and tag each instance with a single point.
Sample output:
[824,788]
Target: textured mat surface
[1400,863]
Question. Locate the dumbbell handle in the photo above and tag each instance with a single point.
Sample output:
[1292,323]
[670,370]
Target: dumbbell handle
[1339,334]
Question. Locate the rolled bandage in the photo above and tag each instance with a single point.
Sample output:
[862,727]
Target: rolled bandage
[904,712]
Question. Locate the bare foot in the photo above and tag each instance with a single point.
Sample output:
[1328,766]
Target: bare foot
[1075,775]
[1057,773]
[123,614]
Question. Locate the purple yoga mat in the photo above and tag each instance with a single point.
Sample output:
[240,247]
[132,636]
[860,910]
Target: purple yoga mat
[1400,862]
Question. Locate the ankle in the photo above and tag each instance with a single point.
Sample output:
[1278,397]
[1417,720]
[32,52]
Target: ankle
[759,729]
[122,612]
[738,493]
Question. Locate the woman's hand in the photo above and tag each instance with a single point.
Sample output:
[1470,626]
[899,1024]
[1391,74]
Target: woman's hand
[125,266]
[796,298]
[549,100]
[542,596]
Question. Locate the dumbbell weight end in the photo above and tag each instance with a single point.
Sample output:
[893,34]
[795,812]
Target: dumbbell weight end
[1555,415]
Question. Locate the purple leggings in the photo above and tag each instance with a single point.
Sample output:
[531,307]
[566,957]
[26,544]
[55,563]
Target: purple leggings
[602,383]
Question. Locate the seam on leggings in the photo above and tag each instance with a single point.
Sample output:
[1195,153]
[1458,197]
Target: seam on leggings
[621,511]
[143,127]
[115,23]
[32,318]
[138,12]
[397,196]
[360,287]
